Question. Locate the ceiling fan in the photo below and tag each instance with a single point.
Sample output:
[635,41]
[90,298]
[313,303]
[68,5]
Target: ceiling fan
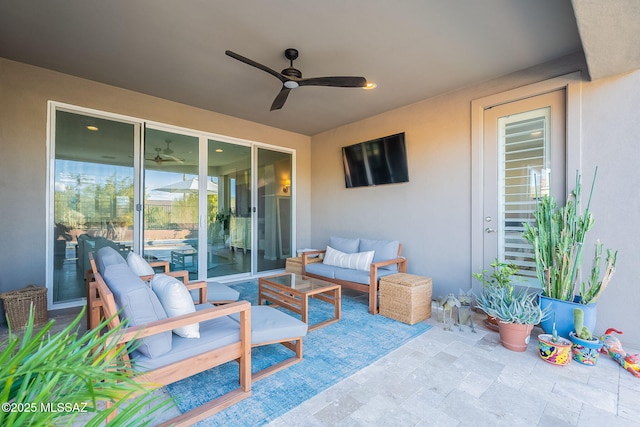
[291,77]
[168,158]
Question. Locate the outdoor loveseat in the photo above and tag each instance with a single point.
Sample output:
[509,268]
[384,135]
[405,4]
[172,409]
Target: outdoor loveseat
[356,264]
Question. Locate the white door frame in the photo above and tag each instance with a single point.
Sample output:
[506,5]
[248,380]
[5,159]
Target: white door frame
[572,83]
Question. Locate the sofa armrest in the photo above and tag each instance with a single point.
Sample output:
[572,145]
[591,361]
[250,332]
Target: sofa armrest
[401,261]
[153,328]
[306,257]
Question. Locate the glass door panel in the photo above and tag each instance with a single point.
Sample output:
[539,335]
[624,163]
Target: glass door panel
[171,199]
[93,196]
[228,209]
[274,209]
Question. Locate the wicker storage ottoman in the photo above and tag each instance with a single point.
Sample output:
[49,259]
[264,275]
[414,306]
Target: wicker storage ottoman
[294,265]
[405,297]
[18,303]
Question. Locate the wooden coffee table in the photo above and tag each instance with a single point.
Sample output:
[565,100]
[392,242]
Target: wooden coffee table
[292,291]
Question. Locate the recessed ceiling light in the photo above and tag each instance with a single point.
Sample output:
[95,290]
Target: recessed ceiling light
[219,150]
[92,128]
[370,85]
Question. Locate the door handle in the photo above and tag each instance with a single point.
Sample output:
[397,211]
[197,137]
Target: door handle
[489,230]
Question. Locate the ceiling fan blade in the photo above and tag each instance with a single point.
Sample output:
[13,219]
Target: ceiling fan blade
[257,65]
[344,81]
[280,99]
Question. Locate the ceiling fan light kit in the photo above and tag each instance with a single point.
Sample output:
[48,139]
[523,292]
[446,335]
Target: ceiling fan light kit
[291,77]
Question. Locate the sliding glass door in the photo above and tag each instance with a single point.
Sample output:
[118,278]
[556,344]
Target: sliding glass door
[214,206]
[229,209]
[93,196]
[171,199]
[274,209]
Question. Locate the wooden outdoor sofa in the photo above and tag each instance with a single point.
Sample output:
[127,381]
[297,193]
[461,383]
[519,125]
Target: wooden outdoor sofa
[387,260]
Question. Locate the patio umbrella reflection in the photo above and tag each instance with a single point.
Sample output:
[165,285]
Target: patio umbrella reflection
[187,186]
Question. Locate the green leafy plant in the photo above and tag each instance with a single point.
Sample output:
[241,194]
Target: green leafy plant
[53,378]
[500,276]
[557,237]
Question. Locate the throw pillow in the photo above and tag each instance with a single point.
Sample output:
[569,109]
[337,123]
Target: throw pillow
[176,300]
[356,261]
[139,265]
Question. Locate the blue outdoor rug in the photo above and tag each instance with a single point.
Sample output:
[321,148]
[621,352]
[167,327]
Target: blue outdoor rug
[331,354]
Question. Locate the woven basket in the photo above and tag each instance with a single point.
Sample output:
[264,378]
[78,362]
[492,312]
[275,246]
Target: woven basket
[405,297]
[18,303]
[294,265]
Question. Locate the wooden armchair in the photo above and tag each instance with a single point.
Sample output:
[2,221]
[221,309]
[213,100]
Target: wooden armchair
[103,301]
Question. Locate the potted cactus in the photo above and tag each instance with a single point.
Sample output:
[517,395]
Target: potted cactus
[553,348]
[585,348]
[558,236]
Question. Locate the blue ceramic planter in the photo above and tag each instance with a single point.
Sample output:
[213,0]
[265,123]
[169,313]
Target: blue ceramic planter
[564,315]
[585,351]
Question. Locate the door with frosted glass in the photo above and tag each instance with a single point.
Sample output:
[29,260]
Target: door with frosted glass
[274,209]
[524,158]
[93,196]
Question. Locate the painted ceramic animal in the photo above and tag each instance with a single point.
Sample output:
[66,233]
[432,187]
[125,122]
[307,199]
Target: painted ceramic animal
[613,347]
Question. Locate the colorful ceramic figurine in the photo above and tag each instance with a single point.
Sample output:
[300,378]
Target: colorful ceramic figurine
[613,347]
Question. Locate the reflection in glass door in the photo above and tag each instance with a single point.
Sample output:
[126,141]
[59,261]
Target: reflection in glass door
[274,209]
[171,199]
[93,196]
[229,212]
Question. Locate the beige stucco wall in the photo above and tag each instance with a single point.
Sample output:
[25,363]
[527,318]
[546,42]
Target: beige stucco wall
[431,215]
[25,90]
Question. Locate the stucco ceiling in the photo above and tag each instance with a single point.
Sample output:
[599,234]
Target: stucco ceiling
[412,49]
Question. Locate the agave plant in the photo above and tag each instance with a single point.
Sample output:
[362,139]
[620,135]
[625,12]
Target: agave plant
[510,306]
[558,238]
[53,378]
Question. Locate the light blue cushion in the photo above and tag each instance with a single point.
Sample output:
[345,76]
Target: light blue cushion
[351,275]
[321,269]
[214,333]
[107,256]
[348,246]
[357,275]
[140,306]
[384,251]
[220,292]
[269,324]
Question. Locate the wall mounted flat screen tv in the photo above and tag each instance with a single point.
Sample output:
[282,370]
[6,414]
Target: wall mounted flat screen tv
[376,162]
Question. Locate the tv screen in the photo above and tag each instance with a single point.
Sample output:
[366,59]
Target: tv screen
[376,162]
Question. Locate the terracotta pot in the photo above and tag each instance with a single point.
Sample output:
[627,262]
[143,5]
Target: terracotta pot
[515,336]
[558,353]
[491,323]
[585,351]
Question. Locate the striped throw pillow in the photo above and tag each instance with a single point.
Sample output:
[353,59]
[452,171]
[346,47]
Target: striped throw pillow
[357,261]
